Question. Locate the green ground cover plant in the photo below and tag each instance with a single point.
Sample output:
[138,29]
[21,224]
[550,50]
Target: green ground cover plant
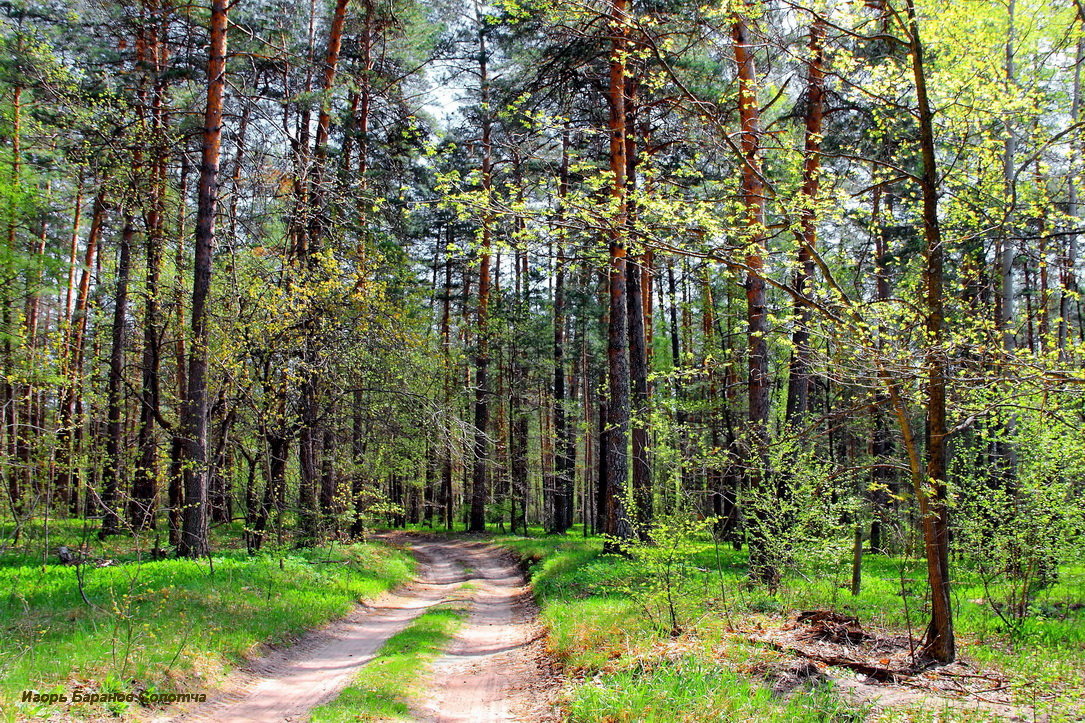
[125,622]
[608,622]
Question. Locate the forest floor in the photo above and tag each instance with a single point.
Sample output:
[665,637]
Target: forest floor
[494,669]
[680,635]
[671,633]
[133,623]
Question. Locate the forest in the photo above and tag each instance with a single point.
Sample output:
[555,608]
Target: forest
[750,330]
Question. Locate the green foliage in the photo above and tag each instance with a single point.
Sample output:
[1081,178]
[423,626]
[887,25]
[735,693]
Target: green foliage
[664,565]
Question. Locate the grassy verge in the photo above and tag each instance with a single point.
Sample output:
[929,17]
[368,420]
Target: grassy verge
[610,622]
[382,688]
[162,626]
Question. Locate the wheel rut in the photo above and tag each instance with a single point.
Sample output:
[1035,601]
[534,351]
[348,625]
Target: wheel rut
[495,669]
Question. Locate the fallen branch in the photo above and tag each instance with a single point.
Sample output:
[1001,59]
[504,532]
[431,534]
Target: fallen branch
[871,671]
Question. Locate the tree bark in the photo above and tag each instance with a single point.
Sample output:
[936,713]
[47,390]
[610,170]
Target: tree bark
[798,384]
[617,526]
[194,540]
[114,450]
[939,642]
[69,425]
[482,354]
[762,565]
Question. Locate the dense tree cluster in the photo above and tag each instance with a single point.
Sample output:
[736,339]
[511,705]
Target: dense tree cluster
[808,269]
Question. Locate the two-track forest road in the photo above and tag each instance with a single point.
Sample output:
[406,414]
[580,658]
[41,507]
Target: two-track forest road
[495,669]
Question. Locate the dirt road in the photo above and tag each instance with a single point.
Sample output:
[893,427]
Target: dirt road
[494,670]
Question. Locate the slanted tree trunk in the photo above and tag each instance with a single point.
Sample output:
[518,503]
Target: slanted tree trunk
[939,642]
[194,540]
[69,425]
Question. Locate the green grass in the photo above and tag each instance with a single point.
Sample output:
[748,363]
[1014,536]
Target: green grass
[694,688]
[165,625]
[383,687]
[607,623]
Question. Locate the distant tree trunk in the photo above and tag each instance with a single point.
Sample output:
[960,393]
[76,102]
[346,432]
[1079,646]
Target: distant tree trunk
[1068,274]
[175,488]
[1007,249]
[762,566]
[278,452]
[446,349]
[482,354]
[141,509]
[194,540]
[9,401]
[563,482]
[115,447]
[618,526]
[601,477]
[672,293]
[309,448]
[70,425]
[29,411]
[939,643]
[358,493]
[881,439]
[798,384]
[329,480]
[637,281]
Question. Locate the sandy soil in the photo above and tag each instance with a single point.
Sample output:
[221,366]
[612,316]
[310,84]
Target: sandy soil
[494,670]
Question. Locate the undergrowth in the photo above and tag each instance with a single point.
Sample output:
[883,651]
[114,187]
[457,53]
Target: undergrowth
[604,623]
[124,622]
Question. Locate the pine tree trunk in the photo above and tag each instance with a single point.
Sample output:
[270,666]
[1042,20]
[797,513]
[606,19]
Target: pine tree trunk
[798,385]
[617,526]
[115,446]
[762,565]
[194,540]
[69,424]
[482,354]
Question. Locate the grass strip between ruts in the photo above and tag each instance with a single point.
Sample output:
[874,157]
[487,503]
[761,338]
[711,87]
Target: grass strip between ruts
[382,688]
